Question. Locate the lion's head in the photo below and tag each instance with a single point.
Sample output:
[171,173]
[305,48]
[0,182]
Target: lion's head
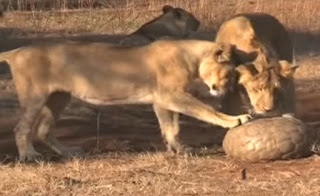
[217,70]
[263,81]
[178,20]
[173,23]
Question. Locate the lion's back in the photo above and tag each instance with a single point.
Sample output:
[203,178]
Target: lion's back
[248,31]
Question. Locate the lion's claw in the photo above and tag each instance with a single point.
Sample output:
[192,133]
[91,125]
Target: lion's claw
[244,118]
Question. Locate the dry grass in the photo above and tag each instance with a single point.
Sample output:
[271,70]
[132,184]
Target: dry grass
[159,174]
[124,17]
[155,173]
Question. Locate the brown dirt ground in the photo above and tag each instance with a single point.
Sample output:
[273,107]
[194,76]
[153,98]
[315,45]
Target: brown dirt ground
[125,151]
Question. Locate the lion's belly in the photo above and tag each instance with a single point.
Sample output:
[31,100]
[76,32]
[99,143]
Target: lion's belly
[108,94]
[108,89]
[134,99]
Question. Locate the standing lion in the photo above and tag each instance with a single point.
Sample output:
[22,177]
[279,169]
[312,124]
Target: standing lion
[46,76]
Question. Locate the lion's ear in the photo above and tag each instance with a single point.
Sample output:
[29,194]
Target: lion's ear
[261,62]
[167,8]
[226,47]
[224,52]
[287,70]
[245,73]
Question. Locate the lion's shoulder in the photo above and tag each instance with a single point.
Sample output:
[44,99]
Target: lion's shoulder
[256,32]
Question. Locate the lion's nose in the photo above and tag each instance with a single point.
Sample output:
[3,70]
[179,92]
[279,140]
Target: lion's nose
[214,87]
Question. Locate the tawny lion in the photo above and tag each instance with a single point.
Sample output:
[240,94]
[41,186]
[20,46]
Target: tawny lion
[47,75]
[173,23]
[264,54]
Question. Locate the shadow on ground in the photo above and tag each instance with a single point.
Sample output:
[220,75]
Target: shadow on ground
[11,38]
[130,128]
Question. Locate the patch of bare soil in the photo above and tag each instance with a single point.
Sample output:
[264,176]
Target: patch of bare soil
[125,152]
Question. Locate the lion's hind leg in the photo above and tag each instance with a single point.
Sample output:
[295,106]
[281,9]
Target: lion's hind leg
[31,108]
[49,114]
[169,125]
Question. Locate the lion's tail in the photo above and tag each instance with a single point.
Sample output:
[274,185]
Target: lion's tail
[7,56]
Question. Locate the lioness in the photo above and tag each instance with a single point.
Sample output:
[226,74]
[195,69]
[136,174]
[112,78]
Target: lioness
[47,75]
[264,51]
[173,23]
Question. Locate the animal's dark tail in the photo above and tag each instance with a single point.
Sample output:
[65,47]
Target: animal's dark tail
[1,11]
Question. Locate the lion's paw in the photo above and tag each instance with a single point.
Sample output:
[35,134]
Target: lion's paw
[31,156]
[244,118]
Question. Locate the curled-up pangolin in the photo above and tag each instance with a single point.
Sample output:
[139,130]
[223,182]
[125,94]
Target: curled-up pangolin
[275,138]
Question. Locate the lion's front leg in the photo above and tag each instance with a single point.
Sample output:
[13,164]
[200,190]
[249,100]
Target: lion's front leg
[186,104]
[169,125]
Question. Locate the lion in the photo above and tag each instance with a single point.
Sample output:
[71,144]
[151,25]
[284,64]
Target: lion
[174,23]
[264,55]
[46,76]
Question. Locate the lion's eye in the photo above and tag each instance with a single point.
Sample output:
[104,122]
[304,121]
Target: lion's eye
[228,75]
[257,90]
[261,86]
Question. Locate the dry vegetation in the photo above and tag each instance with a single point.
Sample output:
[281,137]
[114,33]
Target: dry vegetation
[160,174]
[156,173]
[123,16]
